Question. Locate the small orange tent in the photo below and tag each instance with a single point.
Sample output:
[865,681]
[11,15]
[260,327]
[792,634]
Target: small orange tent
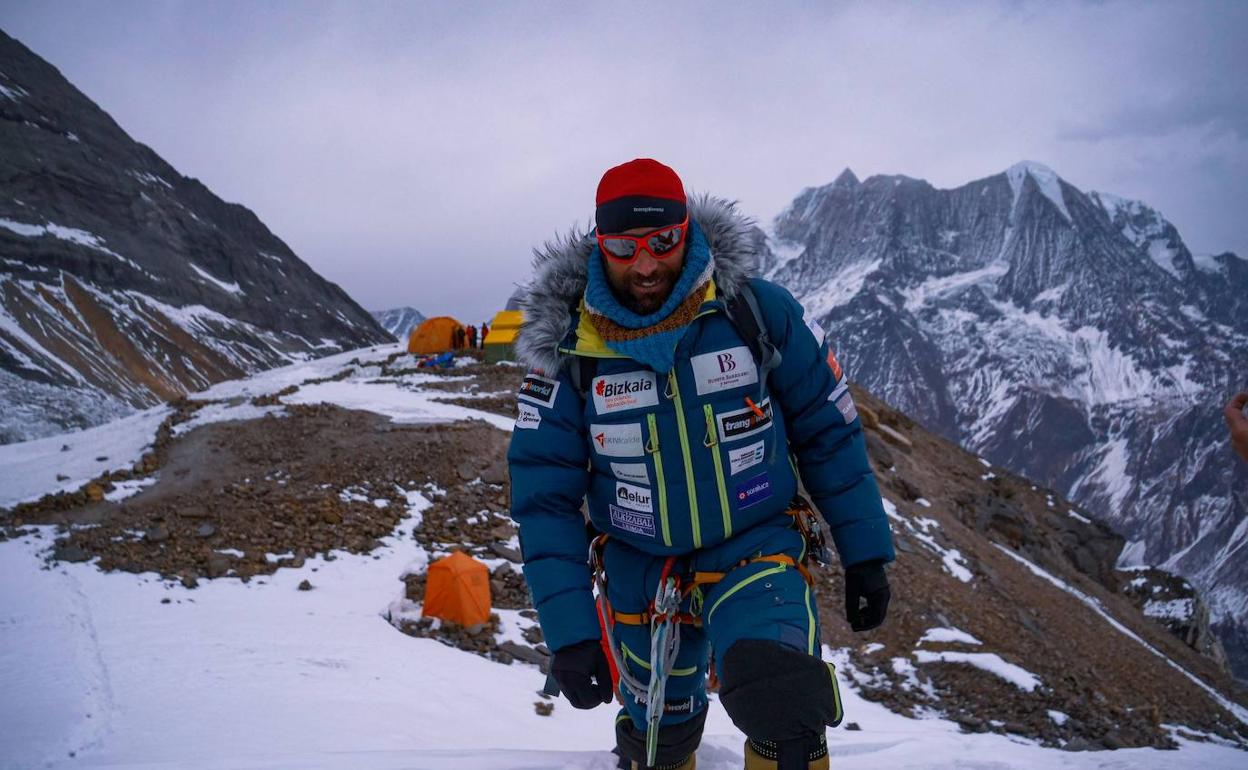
[458,590]
[434,335]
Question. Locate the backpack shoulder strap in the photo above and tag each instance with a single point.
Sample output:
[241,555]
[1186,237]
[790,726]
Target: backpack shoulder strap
[747,317]
[582,372]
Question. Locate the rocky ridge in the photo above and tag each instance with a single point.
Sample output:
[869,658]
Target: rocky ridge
[124,283]
[399,321]
[1069,336]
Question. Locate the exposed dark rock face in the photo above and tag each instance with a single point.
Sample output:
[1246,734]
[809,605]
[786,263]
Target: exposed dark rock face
[1069,336]
[124,283]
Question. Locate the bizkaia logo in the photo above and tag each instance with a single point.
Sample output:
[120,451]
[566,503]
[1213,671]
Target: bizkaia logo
[636,498]
[538,389]
[740,423]
[631,390]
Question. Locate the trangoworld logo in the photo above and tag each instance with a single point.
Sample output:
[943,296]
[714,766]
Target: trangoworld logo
[740,423]
[631,390]
[538,390]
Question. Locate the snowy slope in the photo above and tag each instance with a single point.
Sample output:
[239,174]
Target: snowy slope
[399,321]
[101,672]
[1068,336]
[319,679]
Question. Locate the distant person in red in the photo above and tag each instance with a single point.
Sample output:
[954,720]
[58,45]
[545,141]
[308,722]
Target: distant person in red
[1237,421]
[485,332]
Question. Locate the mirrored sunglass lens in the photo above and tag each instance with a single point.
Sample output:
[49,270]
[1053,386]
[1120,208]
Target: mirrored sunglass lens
[620,247]
[661,243]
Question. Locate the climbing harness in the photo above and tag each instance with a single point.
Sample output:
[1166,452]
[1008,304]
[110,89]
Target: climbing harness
[664,615]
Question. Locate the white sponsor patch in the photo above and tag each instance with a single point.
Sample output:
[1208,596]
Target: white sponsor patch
[538,389]
[634,472]
[846,404]
[724,370]
[740,423]
[631,390]
[840,389]
[633,497]
[617,440]
[745,457]
[816,330]
[529,418]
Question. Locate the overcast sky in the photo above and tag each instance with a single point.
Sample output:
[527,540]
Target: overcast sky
[414,153]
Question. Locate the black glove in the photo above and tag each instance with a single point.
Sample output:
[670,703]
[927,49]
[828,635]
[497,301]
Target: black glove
[866,581]
[583,674]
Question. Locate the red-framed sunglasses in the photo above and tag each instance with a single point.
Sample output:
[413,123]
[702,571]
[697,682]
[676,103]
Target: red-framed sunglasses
[661,243]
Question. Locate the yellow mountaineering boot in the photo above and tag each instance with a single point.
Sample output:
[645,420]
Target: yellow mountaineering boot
[761,755]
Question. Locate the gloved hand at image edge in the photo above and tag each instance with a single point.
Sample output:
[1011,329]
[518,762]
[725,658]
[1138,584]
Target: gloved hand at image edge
[582,671]
[866,581]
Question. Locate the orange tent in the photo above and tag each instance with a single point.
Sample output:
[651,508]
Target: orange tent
[458,590]
[434,335]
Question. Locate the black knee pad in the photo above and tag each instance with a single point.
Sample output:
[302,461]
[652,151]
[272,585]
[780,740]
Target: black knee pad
[776,693]
[676,742]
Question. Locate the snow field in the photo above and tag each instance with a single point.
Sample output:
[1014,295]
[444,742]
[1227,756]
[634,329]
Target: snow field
[261,675]
[29,470]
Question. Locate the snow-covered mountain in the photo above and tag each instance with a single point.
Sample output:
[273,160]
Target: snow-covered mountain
[1069,336]
[124,283]
[399,321]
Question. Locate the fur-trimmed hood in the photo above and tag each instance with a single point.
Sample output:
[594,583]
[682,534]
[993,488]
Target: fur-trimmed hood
[560,272]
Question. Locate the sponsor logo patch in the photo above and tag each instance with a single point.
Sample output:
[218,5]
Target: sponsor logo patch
[529,418]
[634,497]
[724,370]
[538,389]
[746,457]
[846,404]
[841,387]
[617,440]
[631,390]
[753,491]
[816,330]
[740,423]
[634,472]
[835,366]
[631,521]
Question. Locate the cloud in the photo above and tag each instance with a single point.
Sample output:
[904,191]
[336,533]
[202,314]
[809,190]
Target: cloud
[414,154]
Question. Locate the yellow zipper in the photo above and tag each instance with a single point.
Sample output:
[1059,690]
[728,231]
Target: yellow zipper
[712,442]
[674,394]
[660,488]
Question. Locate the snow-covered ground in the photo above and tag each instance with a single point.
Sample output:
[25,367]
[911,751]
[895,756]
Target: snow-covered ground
[30,470]
[119,670]
[98,672]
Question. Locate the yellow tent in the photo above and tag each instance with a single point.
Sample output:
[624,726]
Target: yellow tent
[436,335]
[500,342]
